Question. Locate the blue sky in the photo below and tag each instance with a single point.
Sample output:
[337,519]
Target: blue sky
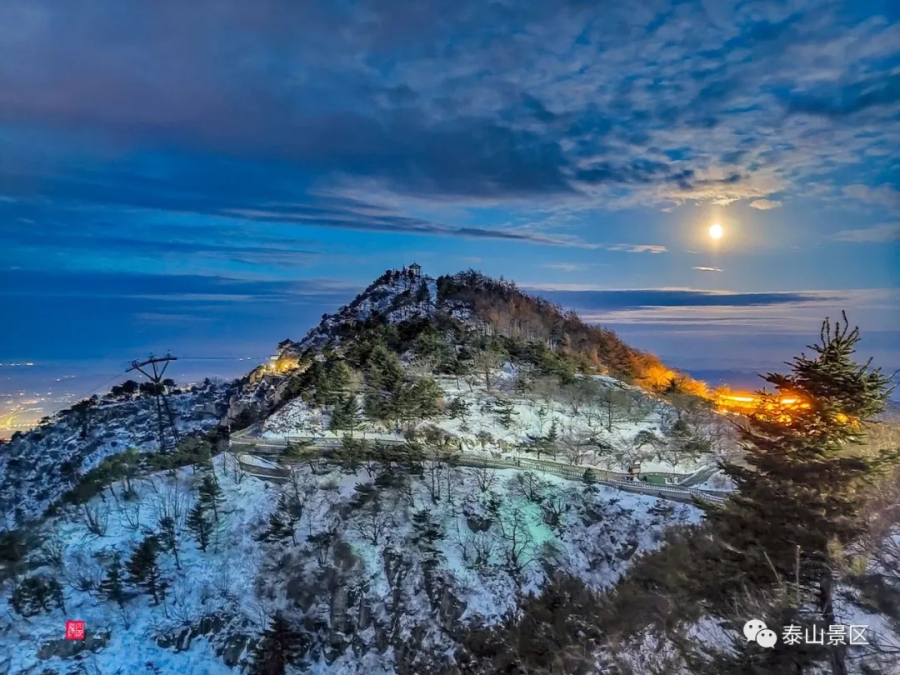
[209,177]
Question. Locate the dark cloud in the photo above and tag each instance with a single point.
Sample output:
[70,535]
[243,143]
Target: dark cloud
[880,91]
[195,195]
[174,287]
[638,299]
[448,99]
[88,238]
[353,215]
[125,126]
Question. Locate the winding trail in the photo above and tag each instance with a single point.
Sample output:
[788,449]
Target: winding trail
[245,442]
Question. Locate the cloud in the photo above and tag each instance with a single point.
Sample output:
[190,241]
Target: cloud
[878,233]
[565,267]
[588,298]
[876,91]
[701,329]
[639,248]
[881,195]
[707,269]
[563,102]
[171,288]
[355,215]
[764,204]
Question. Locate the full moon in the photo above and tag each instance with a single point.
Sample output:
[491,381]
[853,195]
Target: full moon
[716,231]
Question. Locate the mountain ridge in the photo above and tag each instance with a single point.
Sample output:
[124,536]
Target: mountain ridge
[494,307]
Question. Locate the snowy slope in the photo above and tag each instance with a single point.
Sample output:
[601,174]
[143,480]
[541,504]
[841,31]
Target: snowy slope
[359,598]
[395,296]
[608,446]
[38,466]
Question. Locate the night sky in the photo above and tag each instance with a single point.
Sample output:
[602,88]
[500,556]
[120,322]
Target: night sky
[210,176]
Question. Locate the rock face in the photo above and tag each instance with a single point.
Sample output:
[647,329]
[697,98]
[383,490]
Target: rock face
[66,649]
[230,637]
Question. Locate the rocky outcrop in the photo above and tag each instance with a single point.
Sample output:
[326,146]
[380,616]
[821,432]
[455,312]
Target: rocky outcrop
[67,649]
[232,638]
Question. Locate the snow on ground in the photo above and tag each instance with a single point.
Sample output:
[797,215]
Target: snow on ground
[593,532]
[718,481]
[394,298]
[482,430]
[253,460]
[200,587]
[37,467]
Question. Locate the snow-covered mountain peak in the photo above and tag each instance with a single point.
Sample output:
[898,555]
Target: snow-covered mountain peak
[395,296]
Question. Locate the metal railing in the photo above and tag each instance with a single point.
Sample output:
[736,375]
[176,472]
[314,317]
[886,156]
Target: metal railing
[568,471]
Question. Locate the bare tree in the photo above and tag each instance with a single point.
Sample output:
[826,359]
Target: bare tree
[487,361]
[83,573]
[172,502]
[433,482]
[96,517]
[52,551]
[580,393]
[225,578]
[397,567]
[612,408]
[637,405]
[301,486]
[576,448]
[130,516]
[552,510]
[547,389]
[322,542]
[482,545]
[127,614]
[518,548]
[372,523]
[529,485]
[179,603]
[485,477]
[631,453]
[232,466]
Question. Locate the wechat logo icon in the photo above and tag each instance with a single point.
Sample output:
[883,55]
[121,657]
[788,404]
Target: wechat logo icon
[756,631]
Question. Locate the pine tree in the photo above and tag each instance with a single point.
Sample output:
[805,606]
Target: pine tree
[276,530]
[211,494]
[458,367]
[283,521]
[458,408]
[385,380]
[168,537]
[281,645]
[111,586]
[797,506]
[505,412]
[34,594]
[426,397]
[337,380]
[143,569]
[345,414]
[198,523]
[552,434]
[352,451]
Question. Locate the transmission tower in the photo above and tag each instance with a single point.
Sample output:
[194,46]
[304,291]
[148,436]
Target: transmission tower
[155,375]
